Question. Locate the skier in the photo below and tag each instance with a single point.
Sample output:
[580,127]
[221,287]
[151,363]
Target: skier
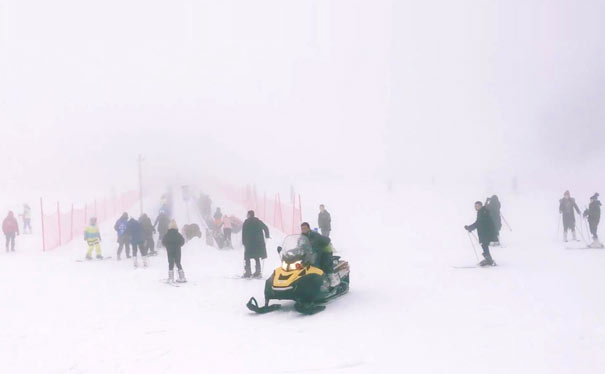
[593,214]
[121,227]
[493,207]
[27,218]
[161,222]
[486,230]
[10,228]
[567,205]
[322,248]
[324,221]
[148,231]
[173,241]
[137,240]
[93,238]
[218,215]
[227,229]
[254,244]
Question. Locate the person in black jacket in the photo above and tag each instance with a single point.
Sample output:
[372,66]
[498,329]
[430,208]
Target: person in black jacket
[486,230]
[254,244]
[161,222]
[593,214]
[173,241]
[567,206]
[324,221]
[148,231]
[493,206]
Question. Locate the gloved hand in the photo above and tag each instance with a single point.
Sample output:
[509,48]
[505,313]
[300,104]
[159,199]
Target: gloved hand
[467,228]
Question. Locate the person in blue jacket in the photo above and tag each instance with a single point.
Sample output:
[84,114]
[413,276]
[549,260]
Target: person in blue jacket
[137,241]
[123,240]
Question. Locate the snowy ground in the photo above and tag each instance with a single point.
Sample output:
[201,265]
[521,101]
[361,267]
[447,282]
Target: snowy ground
[541,311]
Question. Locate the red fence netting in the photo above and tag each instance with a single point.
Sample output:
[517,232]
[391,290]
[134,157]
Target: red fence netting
[283,216]
[62,226]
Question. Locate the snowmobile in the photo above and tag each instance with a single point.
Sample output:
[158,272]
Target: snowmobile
[298,278]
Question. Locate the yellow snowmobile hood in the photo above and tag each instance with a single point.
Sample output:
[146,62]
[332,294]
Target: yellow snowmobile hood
[285,279]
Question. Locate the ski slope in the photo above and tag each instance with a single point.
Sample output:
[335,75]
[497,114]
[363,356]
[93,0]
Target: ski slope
[542,310]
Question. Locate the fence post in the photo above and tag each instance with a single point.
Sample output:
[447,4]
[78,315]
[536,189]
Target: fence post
[42,216]
[281,216]
[265,206]
[299,208]
[72,222]
[59,221]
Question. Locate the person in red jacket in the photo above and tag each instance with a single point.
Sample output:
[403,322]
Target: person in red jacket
[10,228]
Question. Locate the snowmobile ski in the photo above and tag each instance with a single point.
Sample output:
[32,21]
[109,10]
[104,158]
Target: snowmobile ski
[253,306]
[309,309]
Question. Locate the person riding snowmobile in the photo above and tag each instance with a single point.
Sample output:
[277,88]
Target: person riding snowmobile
[322,248]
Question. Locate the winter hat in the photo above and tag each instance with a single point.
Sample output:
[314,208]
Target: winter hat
[595,196]
[173,224]
[566,193]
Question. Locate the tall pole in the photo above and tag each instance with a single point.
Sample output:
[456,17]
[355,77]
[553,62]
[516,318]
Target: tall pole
[140,162]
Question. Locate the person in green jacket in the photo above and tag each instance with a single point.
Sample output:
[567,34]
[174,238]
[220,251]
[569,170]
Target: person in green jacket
[93,238]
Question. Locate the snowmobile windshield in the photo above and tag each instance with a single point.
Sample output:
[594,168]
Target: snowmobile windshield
[296,248]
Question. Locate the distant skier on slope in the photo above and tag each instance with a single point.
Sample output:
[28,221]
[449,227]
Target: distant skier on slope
[27,219]
[227,229]
[567,206]
[93,237]
[486,230]
[254,244]
[137,240]
[324,221]
[493,206]
[10,228]
[593,215]
[121,227]
[161,222]
[173,241]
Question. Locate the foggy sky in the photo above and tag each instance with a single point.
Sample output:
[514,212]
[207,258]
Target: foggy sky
[290,90]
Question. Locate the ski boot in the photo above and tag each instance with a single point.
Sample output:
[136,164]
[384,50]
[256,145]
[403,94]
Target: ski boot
[99,257]
[487,262]
[257,275]
[145,264]
[247,274]
[181,277]
[88,257]
[170,276]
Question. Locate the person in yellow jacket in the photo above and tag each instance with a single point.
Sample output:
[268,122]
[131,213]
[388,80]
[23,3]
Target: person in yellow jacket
[93,238]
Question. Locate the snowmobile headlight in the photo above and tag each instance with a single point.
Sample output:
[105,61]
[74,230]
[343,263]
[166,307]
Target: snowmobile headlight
[284,265]
[295,265]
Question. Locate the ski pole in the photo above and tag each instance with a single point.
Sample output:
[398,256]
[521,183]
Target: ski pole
[473,245]
[506,222]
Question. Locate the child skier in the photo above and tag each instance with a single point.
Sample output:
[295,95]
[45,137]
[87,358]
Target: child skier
[93,238]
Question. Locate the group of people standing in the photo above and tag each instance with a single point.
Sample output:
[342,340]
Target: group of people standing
[568,209]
